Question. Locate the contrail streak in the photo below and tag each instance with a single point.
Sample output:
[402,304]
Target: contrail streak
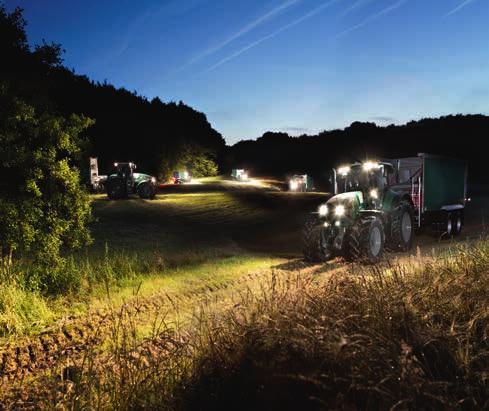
[459,7]
[306,16]
[246,29]
[371,18]
[358,4]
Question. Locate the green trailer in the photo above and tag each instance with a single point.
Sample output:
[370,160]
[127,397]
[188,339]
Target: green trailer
[438,188]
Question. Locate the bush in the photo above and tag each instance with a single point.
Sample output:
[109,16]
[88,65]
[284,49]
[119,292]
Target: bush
[43,207]
[198,161]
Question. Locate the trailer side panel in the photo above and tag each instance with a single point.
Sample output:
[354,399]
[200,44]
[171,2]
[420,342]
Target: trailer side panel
[444,182]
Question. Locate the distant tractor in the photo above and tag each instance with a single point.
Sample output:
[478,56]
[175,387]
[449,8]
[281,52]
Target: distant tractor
[378,206]
[180,177]
[301,183]
[239,174]
[125,182]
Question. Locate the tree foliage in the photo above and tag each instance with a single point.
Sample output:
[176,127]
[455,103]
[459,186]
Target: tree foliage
[191,157]
[458,136]
[43,207]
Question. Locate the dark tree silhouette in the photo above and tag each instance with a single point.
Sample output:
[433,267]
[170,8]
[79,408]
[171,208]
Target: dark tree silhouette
[127,127]
[460,136]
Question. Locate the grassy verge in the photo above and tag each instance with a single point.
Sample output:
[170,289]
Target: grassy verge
[388,337]
[110,282]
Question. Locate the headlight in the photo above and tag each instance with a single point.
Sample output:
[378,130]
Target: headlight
[369,165]
[244,176]
[153,180]
[374,194]
[343,171]
[293,185]
[339,210]
[323,210]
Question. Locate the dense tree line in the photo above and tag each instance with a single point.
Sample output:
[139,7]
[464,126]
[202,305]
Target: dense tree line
[128,127]
[460,136]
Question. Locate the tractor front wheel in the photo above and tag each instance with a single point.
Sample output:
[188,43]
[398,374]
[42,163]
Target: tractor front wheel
[146,191]
[402,228]
[315,248]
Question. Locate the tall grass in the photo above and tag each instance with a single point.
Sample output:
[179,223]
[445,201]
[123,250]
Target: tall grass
[409,336]
[30,299]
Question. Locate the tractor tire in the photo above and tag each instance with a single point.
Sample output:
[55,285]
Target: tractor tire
[365,241]
[402,228]
[146,191]
[314,244]
[116,189]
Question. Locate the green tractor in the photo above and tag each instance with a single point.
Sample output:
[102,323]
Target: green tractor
[125,182]
[379,205]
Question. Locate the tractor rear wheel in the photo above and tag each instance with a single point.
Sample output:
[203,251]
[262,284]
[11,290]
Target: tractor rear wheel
[365,241]
[116,189]
[315,248]
[402,228]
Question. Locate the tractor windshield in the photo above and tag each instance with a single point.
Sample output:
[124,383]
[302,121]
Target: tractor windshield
[362,177]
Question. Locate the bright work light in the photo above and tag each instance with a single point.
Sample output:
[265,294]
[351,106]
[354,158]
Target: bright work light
[369,165]
[339,210]
[323,210]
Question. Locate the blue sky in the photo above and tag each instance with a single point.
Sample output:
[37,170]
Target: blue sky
[299,66]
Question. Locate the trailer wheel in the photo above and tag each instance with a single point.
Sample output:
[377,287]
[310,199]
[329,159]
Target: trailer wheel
[365,241]
[457,224]
[402,228]
[315,248]
[449,225]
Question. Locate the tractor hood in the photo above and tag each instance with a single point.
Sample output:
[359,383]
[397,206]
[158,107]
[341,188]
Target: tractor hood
[141,178]
[351,201]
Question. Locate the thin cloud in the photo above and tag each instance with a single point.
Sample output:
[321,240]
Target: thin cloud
[459,7]
[246,29]
[306,16]
[371,18]
[355,6]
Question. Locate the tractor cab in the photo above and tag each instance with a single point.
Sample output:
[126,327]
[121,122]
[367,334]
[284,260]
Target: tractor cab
[125,171]
[370,179]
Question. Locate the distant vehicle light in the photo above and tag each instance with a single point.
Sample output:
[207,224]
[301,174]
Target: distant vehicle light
[339,210]
[294,185]
[323,210]
[374,194]
[116,164]
[370,165]
[343,171]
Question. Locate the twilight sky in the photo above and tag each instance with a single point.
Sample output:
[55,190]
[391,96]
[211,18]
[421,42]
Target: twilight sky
[299,66]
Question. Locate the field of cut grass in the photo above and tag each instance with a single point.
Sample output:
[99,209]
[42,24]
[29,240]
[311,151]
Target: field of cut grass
[187,231]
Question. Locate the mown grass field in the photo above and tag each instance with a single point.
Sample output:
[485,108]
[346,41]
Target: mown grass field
[204,288]
[150,245]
